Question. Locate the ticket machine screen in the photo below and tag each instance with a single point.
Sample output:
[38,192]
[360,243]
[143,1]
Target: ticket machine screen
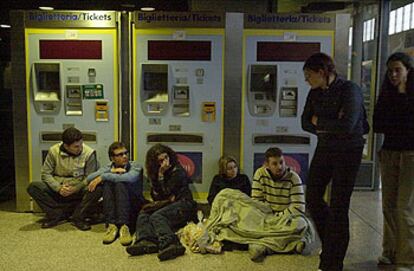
[261,96]
[155,81]
[262,82]
[48,81]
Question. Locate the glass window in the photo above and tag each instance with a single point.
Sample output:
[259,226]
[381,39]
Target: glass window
[373,29]
[368,30]
[407,17]
[399,20]
[391,29]
[364,32]
[412,16]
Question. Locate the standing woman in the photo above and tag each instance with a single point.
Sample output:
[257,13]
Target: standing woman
[394,117]
[335,113]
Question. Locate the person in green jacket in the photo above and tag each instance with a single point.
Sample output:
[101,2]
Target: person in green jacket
[62,191]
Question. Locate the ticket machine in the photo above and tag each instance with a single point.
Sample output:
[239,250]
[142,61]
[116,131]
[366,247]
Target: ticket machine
[275,90]
[178,94]
[71,72]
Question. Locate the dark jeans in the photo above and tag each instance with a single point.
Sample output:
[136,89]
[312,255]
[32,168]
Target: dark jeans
[159,226]
[121,202]
[56,206]
[340,167]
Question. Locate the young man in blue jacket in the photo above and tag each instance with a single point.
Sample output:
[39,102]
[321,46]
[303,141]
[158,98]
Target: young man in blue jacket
[122,193]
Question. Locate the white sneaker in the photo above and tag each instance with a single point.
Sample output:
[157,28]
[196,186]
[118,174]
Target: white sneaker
[124,236]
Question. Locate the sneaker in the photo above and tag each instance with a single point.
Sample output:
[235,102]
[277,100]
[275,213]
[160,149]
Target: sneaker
[124,236]
[142,247]
[81,225]
[171,252]
[300,246]
[110,235]
[384,260]
[257,253]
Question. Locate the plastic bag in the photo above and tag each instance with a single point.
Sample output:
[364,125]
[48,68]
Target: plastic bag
[196,237]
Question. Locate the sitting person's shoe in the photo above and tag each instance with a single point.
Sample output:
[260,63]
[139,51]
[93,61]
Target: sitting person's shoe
[124,236]
[257,252]
[172,251]
[81,225]
[230,246]
[405,268]
[110,235]
[385,260]
[300,246]
[142,247]
[96,218]
[52,222]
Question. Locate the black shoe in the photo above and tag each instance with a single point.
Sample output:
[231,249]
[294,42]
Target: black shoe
[50,223]
[81,225]
[230,246]
[96,218]
[142,247]
[171,252]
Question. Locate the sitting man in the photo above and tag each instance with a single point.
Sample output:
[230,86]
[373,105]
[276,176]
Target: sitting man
[282,189]
[273,220]
[62,189]
[122,193]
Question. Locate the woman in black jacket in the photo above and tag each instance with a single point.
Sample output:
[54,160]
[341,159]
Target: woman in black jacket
[394,117]
[229,177]
[172,206]
[334,112]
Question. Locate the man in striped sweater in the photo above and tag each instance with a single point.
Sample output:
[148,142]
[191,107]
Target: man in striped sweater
[281,188]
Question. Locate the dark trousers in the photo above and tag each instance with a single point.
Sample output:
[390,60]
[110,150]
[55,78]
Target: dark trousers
[56,206]
[340,167]
[121,202]
[159,227]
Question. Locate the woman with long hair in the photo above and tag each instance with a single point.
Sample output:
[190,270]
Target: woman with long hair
[394,117]
[172,206]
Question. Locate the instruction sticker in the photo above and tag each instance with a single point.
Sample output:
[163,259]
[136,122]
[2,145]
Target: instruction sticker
[94,91]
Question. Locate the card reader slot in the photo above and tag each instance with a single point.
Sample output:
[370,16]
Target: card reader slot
[57,136]
[281,139]
[175,138]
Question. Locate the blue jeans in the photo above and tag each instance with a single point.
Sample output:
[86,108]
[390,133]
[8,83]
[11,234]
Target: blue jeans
[121,202]
[159,226]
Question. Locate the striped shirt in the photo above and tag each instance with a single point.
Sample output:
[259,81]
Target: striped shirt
[284,194]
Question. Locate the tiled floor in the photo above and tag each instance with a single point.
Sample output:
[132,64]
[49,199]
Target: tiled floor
[24,246]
